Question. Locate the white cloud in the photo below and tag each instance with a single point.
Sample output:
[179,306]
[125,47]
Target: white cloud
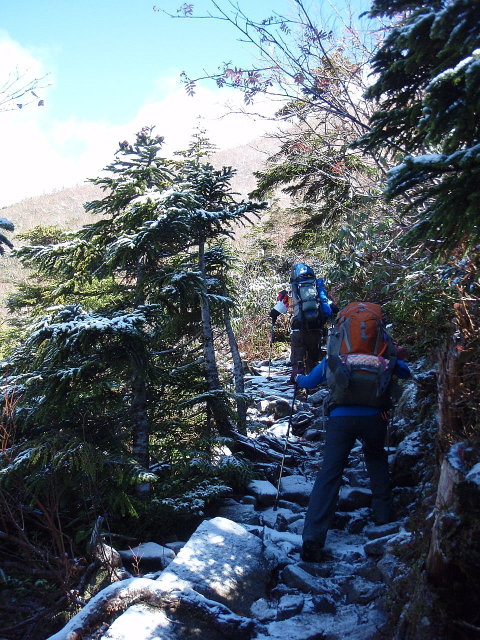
[25,63]
[39,156]
[221,113]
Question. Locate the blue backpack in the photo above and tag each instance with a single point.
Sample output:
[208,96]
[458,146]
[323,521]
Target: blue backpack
[310,300]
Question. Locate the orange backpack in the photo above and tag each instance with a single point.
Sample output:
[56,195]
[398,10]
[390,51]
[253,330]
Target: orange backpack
[361,357]
[362,329]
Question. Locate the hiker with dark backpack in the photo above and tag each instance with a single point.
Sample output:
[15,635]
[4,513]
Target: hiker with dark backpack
[359,370]
[312,308]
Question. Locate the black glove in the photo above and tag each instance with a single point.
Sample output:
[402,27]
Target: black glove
[274,315]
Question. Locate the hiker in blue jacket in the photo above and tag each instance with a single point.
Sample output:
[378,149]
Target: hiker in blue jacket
[307,327]
[345,424]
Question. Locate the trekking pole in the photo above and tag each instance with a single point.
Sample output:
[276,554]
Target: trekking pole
[390,429]
[275,504]
[270,354]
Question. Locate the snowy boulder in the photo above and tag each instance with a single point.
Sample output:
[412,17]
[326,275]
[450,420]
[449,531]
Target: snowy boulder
[380,531]
[474,475]
[135,608]
[361,591]
[263,406]
[300,422]
[280,408]
[175,546]
[278,429]
[263,491]
[242,513]
[263,610]
[357,477]
[314,434]
[324,603]
[389,568]
[295,576]
[410,451]
[147,557]
[358,521]
[296,489]
[271,518]
[391,543]
[302,418]
[279,546]
[297,526]
[306,626]
[289,605]
[289,541]
[370,571]
[318,397]
[352,498]
[223,562]
[143,622]
[292,506]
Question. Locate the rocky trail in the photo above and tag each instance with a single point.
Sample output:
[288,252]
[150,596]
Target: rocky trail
[240,574]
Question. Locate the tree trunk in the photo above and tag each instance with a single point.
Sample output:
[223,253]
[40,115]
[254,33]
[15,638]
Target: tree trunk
[217,401]
[238,374]
[141,429]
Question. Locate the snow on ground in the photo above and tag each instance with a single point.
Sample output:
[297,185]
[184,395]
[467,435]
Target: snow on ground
[248,559]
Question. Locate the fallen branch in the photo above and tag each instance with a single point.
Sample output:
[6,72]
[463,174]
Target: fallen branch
[467,625]
[112,601]
[254,450]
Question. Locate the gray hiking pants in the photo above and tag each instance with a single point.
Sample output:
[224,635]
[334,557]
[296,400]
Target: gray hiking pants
[342,431]
[305,348]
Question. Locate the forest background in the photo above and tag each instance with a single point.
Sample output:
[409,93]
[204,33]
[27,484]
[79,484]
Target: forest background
[126,345]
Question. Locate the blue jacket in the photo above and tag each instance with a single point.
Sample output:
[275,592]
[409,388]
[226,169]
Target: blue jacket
[318,375]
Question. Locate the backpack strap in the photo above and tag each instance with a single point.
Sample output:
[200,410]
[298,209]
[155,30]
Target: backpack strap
[345,332]
[386,376]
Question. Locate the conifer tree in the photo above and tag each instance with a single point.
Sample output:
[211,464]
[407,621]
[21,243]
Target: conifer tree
[8,226]
[210,213]
[427,89]
[146,257]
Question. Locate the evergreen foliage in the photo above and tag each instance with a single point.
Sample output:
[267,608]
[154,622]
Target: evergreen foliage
[428,93]
[4,241]
[328,182]
[110,394]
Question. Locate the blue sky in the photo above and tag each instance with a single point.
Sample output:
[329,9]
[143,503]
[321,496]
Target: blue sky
[113,66]
[107,55]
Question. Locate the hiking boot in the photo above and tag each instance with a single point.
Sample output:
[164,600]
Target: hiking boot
[312,551]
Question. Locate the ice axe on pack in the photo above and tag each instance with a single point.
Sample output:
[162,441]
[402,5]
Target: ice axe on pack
[275,503]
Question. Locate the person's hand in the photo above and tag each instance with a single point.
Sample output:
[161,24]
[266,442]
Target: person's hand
[402,353]
[295,373]
[298,372]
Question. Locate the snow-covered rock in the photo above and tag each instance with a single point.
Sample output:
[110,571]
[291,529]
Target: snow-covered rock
[263,491]
[222,561]
[143,622]
[271,517]
[295,576]
[148,557]
[296,488]
[352,498]
[238,512]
